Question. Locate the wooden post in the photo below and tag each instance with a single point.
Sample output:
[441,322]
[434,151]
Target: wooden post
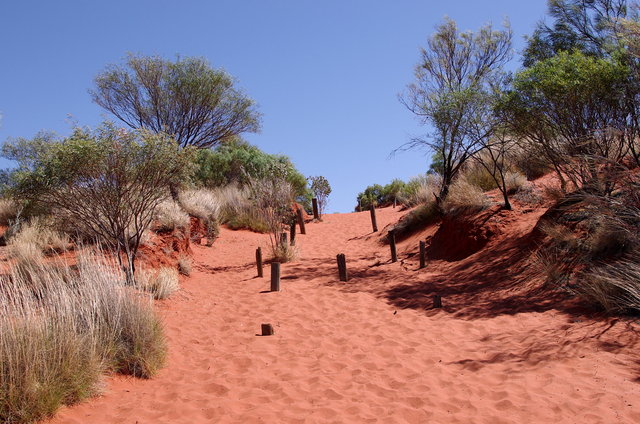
[423,254]
[292,234]
[301,221]
[259,261]
[342,267]
[275,276]
[437,301]
[392,245]
[267,330]
[374,222]
[316,213]
[283,239]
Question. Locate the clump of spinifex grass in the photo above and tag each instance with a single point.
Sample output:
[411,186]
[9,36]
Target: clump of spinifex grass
[62,328]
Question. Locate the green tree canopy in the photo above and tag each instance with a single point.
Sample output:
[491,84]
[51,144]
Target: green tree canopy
[188,99]
[107,182]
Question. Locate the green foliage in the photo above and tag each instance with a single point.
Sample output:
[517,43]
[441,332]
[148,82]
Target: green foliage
[188,99]
[454,92]
[378,195]
[239,162]
[591,27]
[418,219]
[566,106]
[372,195]
[106,183]
[320,189]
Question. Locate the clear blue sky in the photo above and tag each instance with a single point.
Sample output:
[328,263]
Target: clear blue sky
[326,74]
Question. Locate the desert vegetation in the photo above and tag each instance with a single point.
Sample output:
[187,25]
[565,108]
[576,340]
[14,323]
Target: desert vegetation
[62,328]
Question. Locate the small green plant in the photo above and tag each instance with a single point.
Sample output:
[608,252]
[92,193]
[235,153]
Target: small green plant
[321,190]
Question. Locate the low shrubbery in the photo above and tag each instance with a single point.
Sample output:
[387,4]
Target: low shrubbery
[62,328]
[593,249]
[464,197]
[36,238]
[419,218]
[170,216]
[161,282]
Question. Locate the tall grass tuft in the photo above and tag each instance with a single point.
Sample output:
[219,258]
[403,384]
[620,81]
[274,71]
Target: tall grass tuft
[161,282]
[62,328]
[464,197]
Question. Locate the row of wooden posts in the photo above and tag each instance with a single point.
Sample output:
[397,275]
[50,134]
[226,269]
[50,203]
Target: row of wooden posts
[341,259]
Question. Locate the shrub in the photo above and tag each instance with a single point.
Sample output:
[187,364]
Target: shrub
[321,190]
[464,197]
[480,177]
[60,334]
[184,265]
[35,238]
[418,219]
[593,249]
[169,216]
[9,211]
[206,205]
[515,181]
[274,199]
[420,190]
[161,282]
[107,183]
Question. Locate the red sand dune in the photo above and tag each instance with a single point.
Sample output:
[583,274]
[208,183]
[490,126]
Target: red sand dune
[502,350]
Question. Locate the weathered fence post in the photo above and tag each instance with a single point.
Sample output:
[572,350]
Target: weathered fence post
[374,222]
[259,261]
[342,267]
[292,234]
[392,245]
[437,301]
[301,221]
[316,212]
[267,330]
[423,254]
[275,276]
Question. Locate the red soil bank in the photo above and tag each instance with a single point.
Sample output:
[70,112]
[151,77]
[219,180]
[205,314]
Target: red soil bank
[502,350]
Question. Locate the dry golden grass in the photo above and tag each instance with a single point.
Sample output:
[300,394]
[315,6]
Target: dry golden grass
[170,216]
[201,203]
[35,238]
[161,282]
[464,197]
[9,210]
[62,328]
[184,265]
[515,181]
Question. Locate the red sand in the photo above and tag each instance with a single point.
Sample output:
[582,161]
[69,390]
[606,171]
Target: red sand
[372,350]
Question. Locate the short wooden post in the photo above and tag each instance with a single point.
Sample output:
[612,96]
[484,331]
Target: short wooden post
[259,261]
[342,267]
[392,245]
[374,222]
[267,330]
[275,276]
[292,234]
[437,301]
[423,254]
[301,222]
[283,239]
[316,212]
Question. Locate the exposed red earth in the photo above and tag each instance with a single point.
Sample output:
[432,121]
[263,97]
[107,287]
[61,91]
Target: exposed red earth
[503,349]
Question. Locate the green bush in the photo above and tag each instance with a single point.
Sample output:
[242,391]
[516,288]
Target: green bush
[239,162]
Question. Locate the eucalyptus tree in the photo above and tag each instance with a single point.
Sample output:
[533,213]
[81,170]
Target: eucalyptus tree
[197,105]
[454,91]
[591,27]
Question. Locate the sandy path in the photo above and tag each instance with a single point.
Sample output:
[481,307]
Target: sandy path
[354,353]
